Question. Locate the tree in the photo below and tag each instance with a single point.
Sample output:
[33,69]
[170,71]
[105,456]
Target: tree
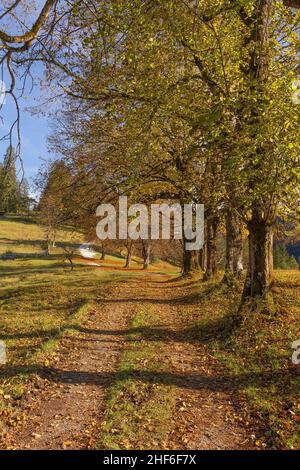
[23,196]
[259,128]
[55,204]
[129,252]
[234,245]
[146,252]
[282,260]
[187,97]
[15,46]
[8,182]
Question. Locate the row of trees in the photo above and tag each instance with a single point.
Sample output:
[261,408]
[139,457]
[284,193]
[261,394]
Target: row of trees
[62,202]
[181,101]
[14,194]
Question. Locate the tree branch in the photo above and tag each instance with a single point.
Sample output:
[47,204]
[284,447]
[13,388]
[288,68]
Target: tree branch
[29,36]
[11,8]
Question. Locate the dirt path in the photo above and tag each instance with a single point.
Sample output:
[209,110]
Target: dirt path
[69,399]
[206,414]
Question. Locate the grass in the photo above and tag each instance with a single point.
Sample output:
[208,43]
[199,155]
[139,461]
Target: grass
[41,299]
[254,351]
[257,352]
[21,235]
[139,409]
[39,302]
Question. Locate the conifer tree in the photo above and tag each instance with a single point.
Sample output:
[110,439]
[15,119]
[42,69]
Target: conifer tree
[8,183]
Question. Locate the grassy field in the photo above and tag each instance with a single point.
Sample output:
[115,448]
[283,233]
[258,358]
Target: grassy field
[22,235]
[41,299]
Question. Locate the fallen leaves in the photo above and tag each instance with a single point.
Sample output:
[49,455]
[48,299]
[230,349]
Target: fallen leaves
[67,444]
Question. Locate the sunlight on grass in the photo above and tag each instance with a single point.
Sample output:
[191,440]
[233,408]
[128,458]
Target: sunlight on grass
[40,298]
[24,235]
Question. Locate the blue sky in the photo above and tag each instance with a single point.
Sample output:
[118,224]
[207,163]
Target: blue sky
[34,130]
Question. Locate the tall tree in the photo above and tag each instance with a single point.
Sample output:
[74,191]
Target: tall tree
[55,205]
[8,182]
[23,196]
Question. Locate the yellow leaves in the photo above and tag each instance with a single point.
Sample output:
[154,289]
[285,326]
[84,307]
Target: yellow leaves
[150,427]
[66,444]
[114,431]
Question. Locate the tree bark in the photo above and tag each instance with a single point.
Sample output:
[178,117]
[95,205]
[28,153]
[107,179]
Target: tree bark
[146,250]
[190,261]
[129,254]
[260,267]
[211,240]
[259,272]
[202,258]
[234,245]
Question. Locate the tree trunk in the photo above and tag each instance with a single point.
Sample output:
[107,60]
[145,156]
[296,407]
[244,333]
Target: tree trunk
[190,258]
[190,261]
[146,249]
[234,245]
[211,240]
[260,265]
[256,73]
[202,257]
[203,252]
[48,243]
[129,254]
